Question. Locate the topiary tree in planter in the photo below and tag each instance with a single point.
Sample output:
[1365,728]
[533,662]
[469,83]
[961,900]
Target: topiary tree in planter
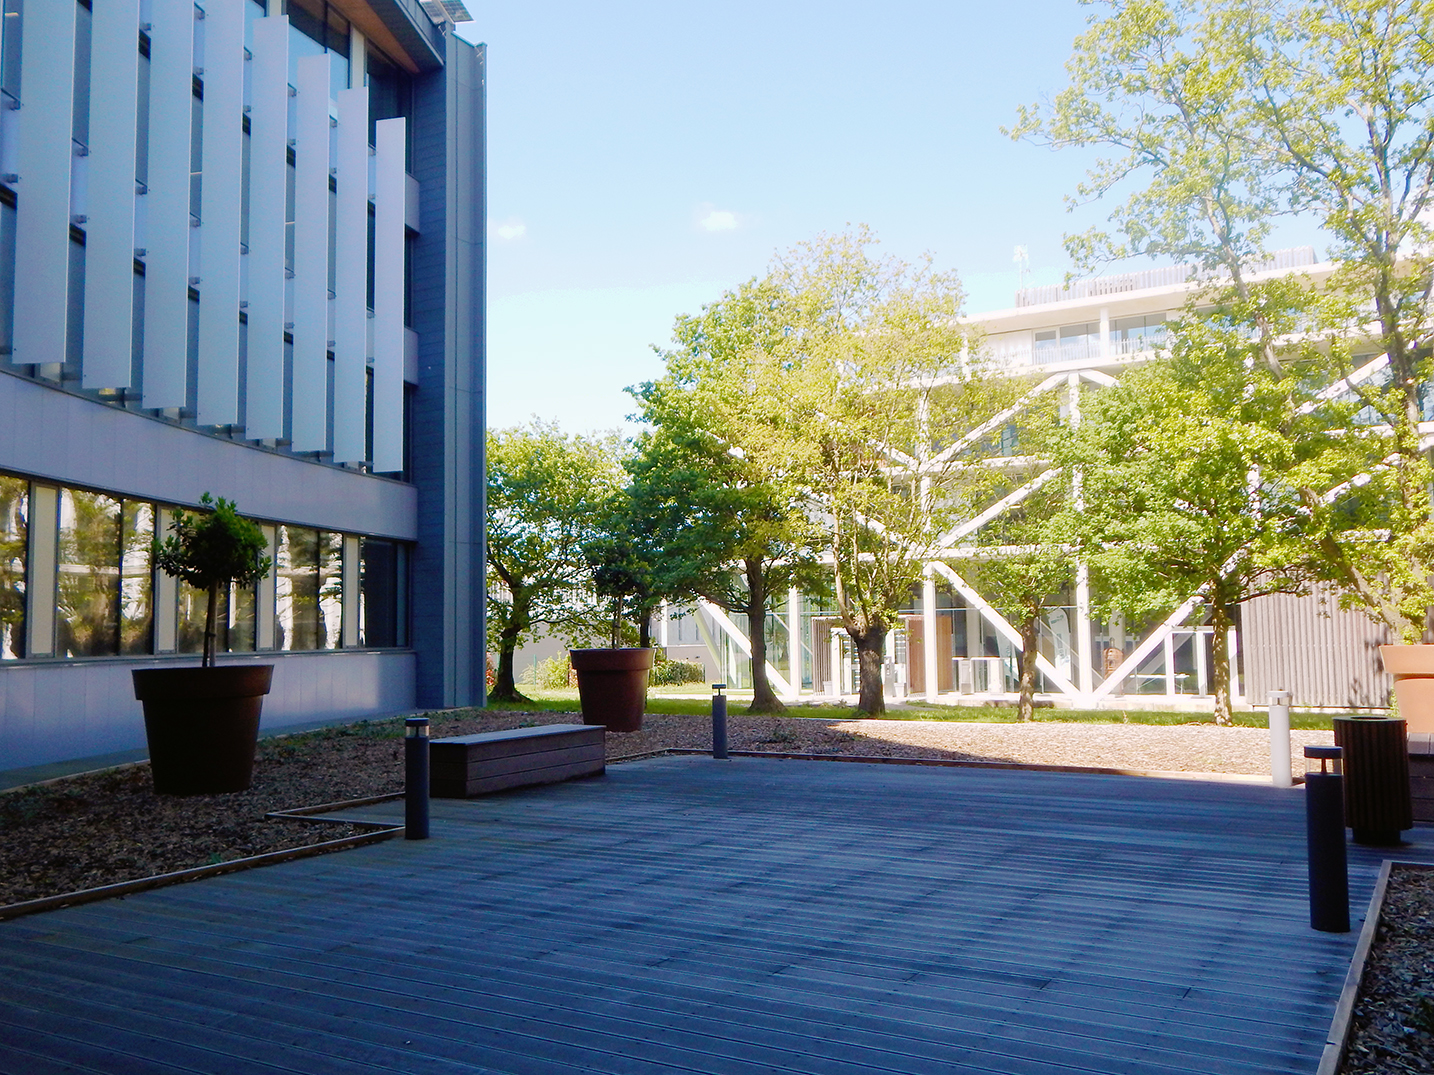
[211,550]
[202,723]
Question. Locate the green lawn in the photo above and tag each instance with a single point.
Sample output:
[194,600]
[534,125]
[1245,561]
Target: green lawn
[661,700]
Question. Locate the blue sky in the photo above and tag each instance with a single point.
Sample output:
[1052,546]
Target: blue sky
[645,156]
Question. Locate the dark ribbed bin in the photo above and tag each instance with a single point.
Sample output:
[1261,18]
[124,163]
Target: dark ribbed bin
[1377,804]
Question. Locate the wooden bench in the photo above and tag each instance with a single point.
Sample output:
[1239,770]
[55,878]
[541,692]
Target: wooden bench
[467,765]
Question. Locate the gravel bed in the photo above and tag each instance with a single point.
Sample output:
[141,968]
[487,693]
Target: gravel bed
[1392,1030]
[99,828]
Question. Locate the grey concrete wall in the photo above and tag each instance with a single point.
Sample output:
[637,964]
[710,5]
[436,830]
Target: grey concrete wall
[447,424]
[55,711]
[66,438]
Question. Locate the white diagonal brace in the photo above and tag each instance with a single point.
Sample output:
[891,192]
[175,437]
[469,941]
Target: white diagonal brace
[1010,500]
[1368,370]
[996,620]
[1155,638]
[1000,419]
[722,620]
[1105,380]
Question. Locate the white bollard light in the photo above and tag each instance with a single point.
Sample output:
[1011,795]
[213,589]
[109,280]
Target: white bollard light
[1280,775]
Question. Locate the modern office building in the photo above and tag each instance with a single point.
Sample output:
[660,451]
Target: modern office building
[241,252]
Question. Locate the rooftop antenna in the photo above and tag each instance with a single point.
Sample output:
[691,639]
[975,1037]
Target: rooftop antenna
[1023,265]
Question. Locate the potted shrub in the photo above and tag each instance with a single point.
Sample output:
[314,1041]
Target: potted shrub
[202,723]
[612,682]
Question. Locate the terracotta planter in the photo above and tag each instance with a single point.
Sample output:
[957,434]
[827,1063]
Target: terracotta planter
[202,724]
[612,686]
[1413,670]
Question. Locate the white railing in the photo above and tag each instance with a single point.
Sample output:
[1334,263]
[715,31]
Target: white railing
[1293,258]
[1023,354]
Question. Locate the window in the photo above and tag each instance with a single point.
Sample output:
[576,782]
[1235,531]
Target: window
[315,27]
[14,543]
[308,589]
[103,584]
[1131,335]
[233,619]
[383,586]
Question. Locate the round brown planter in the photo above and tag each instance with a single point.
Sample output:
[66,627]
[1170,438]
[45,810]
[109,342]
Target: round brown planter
[202,724]
[1413,670]
[612,686]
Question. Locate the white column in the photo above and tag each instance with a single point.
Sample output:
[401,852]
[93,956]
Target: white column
[930,668]
[1104,332]
[390,193]
[1084,639]
[350,637]
[351,280]
[311,258]
[221,197]
[43,159]
[794,640]
[167,238]
[264,602]
[44,524]
[166,593]
[109,233]
[268,189]
[1169,652]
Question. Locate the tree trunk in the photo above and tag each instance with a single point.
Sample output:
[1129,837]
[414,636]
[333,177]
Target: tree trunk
[1220,651]
[869,645]
[505,689]
[1026,709]
[764,699]
[211,614]
[644,629]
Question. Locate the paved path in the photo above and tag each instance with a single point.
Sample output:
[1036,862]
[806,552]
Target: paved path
[685,915]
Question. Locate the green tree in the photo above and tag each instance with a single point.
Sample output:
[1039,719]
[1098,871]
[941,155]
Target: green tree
[1225,114]
[209,550]
[713,476]
[884,387]
[545,489]
[1189,472]
[1027,556]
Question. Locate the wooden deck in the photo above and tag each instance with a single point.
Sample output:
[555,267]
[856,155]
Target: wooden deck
[686,915]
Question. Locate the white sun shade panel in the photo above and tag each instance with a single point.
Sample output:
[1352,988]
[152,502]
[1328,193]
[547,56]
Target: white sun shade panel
[166,267]
[109,233]
[311,257]
[268,181]
[222,193]
[388,203]
[44,153]
[351,279]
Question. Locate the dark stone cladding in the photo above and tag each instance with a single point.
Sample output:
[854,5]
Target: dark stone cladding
[446,417]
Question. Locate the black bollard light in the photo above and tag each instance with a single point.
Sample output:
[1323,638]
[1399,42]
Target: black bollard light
[1324,827]
[719,720]
[415,778]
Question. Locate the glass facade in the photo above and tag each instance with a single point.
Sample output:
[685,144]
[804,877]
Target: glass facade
[103,582]
[107,593]
[14,549]
[309,589]
[383,584]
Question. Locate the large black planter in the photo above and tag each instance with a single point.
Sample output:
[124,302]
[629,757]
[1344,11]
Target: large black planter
[612,686]
[1377,803]
[202,724]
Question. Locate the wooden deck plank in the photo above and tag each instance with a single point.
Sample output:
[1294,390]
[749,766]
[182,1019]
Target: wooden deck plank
[690,915]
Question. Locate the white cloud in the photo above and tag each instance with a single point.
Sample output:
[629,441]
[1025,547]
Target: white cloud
[712,219]
[511,229]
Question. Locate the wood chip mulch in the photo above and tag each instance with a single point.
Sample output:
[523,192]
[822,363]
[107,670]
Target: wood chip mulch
[1392,1030]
